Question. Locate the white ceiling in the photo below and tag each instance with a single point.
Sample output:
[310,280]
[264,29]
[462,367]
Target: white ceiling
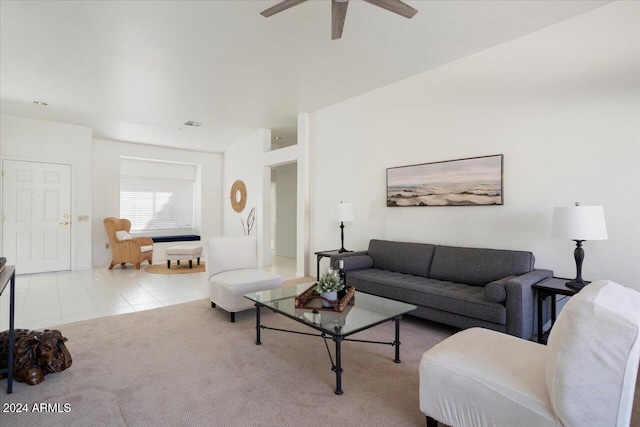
[136,71]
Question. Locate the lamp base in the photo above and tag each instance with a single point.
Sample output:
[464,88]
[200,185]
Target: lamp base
[576,284]
[342,249]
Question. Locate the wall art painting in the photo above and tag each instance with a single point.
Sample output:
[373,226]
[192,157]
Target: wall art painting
[475,181]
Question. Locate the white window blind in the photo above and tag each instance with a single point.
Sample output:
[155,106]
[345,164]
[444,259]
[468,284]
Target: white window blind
[156,203]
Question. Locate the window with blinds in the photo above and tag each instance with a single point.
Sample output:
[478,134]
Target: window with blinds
[157,196]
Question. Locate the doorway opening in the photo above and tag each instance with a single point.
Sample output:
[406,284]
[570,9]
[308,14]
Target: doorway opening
[284,185]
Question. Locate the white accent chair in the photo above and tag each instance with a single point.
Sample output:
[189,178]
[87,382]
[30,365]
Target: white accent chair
[232,269]
[585,376]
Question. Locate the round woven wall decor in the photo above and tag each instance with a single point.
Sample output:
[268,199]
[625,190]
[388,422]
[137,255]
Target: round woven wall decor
[238,196]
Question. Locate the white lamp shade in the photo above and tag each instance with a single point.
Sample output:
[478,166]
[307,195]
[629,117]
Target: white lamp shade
[343,212]
[579,223]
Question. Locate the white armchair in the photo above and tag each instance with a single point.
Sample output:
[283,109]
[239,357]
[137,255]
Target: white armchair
[232,269]
[585,376]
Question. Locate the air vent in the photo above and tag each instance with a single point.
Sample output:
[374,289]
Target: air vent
[194,124]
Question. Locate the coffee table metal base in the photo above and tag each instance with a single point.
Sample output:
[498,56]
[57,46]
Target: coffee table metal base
[337,339]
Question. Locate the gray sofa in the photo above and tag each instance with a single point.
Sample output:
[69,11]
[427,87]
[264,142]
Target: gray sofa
[462,287]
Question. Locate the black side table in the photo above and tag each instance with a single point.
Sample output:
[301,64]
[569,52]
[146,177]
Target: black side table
[550,288]
[8,277]
[325,254]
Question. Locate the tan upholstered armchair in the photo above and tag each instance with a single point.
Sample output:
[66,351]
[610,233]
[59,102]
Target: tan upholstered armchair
[127,249]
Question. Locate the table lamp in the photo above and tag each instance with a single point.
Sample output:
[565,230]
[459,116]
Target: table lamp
[578,223]
[343,213]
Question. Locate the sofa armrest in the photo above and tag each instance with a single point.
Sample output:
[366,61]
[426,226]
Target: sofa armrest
[520,302]
[359,262]
[333,260]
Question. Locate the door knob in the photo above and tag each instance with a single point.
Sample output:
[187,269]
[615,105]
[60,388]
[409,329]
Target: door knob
[64,223]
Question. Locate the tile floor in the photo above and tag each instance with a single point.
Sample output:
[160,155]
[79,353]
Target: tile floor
[50,299]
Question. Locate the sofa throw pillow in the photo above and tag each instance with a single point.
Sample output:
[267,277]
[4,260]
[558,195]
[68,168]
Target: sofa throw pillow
[495,291]
[123,235]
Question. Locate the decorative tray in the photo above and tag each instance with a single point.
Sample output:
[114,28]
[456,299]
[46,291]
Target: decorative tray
[309,299]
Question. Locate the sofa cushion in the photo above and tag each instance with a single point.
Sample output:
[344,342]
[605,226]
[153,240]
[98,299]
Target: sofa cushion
[478,266]
[495,291]
[452,297]
[146,248]
[196,251]
[123,235]
[401,257]
[240,282]
[479,377]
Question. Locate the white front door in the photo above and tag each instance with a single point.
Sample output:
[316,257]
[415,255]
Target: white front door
[36,204]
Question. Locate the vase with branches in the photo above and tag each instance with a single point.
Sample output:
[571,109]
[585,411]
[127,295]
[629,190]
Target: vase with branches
[251,219]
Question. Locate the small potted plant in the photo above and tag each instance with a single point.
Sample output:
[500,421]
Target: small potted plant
[328,287]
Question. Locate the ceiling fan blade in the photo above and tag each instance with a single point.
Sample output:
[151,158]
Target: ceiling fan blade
[395,6]
[283,5]
[338,15]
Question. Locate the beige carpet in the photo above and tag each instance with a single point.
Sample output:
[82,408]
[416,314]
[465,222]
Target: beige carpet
[187,365]
[183,268]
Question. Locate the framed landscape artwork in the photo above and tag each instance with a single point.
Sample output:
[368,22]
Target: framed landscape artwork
[476,181]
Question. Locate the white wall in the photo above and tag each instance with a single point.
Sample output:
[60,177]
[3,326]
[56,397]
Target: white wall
[286,210]
[38,140]
[561,104]
[250,159]
[106,189]
[243,161]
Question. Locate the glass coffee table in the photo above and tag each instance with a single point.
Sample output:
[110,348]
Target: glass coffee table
[366,312]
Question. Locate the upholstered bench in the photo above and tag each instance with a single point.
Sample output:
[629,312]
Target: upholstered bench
[183,253]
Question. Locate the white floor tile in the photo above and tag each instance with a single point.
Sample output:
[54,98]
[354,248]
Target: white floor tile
[140,299]
[147,306]
[80,317]
[34,316]
[111,311]
[115,301]
[83,301]
[52,299]
[40,324]
[71,295]
[35,307]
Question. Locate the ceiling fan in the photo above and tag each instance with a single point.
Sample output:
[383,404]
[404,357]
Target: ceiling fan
[339,11]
